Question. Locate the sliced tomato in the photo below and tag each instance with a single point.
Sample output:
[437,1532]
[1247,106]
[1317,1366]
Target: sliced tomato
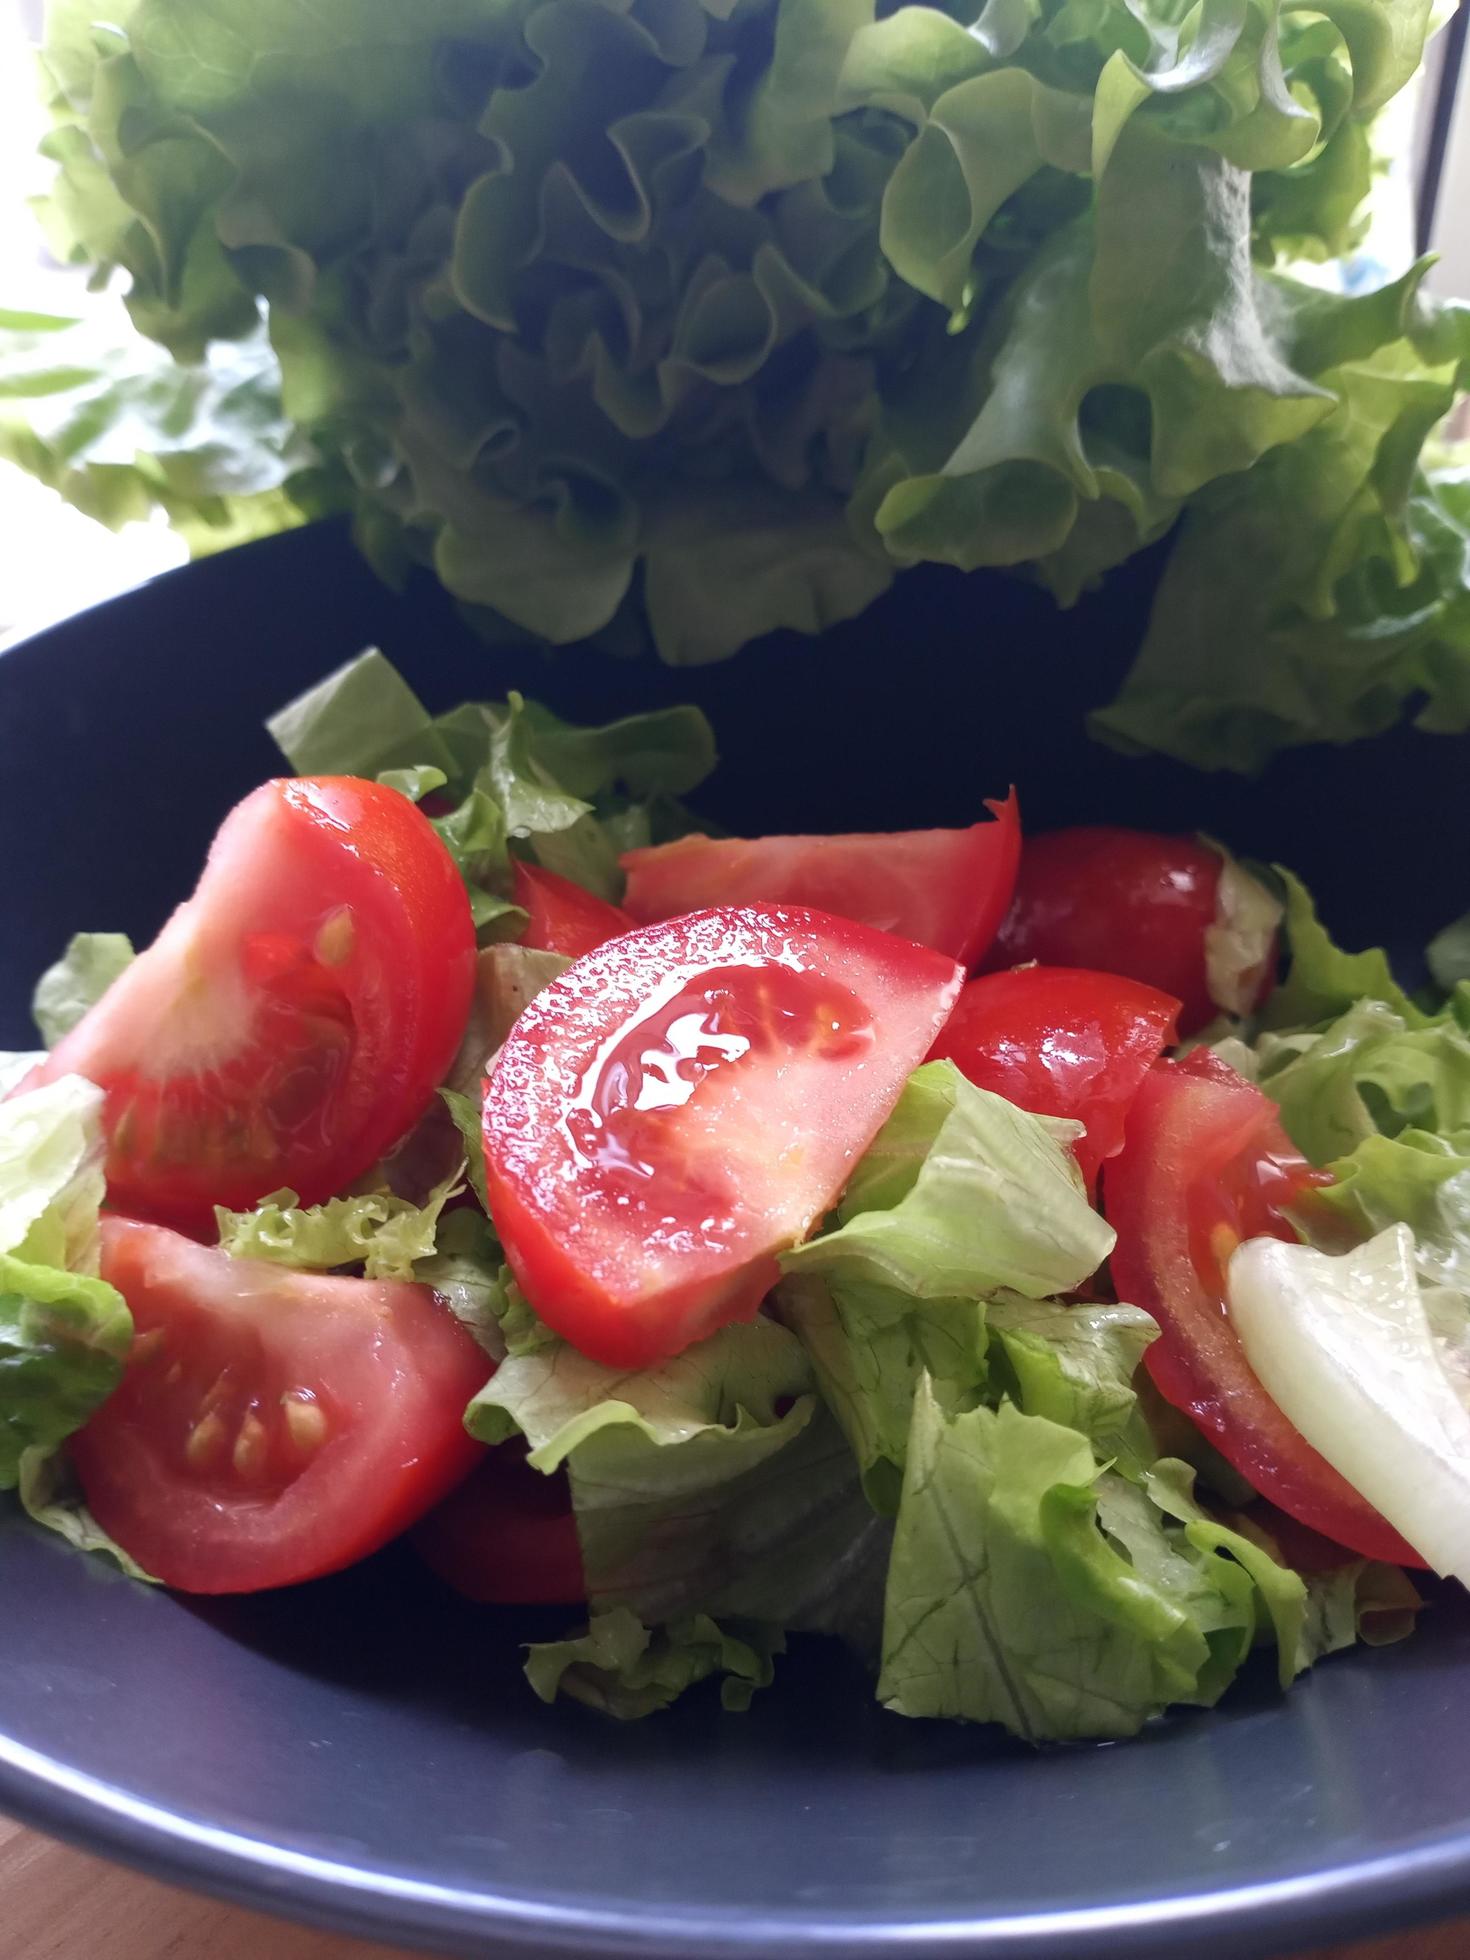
[270,1426]
[1063,1042]
[1205,1166]
[507,1536]
[948,889]
[291,1021]
[563,918]
[1131,902]
[685,1103]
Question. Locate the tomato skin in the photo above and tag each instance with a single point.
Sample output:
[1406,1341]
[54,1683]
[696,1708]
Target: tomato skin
[507,1536]
[195,1464]
[293,1018]
[1122,901]
[685,1103]
[561,916]
[947,889]
[1206,1165]
[1062,1041]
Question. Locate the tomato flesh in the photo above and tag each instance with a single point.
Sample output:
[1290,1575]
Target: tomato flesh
[1206,1165]
[563,918]
[947,889]
[270,1426]
[1062,1041]
[507,1536]
[685,1103]
[293,1018]
[1121,901]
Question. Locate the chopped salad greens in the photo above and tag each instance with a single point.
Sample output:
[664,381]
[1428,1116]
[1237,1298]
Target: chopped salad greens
[671,323]
[750,1272]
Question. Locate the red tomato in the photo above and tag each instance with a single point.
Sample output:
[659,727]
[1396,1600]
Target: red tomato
[948,889]
[562,917]
[507,1536]
[270,1425]
[292,1020]
[685,1103]
[1206,1165]
[1062,1042]
[1122,901]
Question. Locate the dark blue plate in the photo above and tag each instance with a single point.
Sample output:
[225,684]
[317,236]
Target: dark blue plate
[363,1752]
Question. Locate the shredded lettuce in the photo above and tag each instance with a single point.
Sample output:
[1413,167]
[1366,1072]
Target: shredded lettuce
[521,781]
[382,1233]
[961,1193]
[78,980]
[623,1669]
[64,1333]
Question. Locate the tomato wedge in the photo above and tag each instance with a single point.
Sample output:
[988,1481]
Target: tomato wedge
[948,889]
[685,1103]
[270,1426]
[1131,902]
[1206,1165]
[1063,1042]
[507,1536]
[561,916]
[293,1018]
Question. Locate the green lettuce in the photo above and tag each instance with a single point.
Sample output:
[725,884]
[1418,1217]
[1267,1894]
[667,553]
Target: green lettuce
[78,980]
[520,780]
[64,1333]
[382,1233]
[1322,981]
[961,1193]
[624,1669]
[712,1482]
[624,347]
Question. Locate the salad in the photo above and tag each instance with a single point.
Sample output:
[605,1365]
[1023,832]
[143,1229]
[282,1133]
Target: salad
[1040,1263]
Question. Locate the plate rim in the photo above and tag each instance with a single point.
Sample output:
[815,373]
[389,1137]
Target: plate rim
[1393,1891]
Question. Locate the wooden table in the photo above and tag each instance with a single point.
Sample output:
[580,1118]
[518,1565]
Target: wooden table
[59,1904]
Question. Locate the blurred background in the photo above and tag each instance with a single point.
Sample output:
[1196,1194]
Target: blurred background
[54,560]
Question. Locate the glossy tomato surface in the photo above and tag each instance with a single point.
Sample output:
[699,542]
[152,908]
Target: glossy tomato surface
[270,1425]
[561,917]
[1133,902]
[1062,1041]
[685,1103]
[293,1018]
[947,889]
[1206,1165]
[507,1536]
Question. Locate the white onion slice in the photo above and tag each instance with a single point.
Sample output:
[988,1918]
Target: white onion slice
[1343,1345]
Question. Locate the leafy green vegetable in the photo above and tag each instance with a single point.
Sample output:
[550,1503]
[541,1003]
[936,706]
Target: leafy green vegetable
[522,781]
[712,1483]
[1448,953]
[1075,1365]
[384,1234]
[63,1340]
[64,1334]
[1031,1588]
[680,323]
[1321,980]
[108,420]
[621,1668]
[48,1488]
[1368,1074]
[961,1193]
[78,980]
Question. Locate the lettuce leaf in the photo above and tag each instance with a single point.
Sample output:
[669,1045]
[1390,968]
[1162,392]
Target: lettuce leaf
[959,1194]
[622,1668]
[78,980]
[1031,1588]
[64,1333]
[1322,981]
[713,1483]
[382,1233]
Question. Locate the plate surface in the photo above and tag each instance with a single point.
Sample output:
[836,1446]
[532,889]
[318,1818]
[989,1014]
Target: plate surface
[363,1752]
